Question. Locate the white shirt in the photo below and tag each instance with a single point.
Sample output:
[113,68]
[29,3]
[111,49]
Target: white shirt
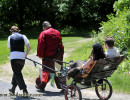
[17,54]
[110,53]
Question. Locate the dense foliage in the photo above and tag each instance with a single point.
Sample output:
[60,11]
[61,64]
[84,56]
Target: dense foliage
[29,14]
[118,27]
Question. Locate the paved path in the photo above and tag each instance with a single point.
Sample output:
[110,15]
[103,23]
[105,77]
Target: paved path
[51,93]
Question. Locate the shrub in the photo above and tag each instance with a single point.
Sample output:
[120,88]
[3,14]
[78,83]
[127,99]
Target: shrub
[120,5]
[118,28]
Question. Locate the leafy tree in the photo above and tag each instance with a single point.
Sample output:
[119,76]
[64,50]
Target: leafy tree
[29,14]
[85,13]
[118,26]
[120,5]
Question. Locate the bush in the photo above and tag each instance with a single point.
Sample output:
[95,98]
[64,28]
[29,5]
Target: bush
[120,5]
[118,27]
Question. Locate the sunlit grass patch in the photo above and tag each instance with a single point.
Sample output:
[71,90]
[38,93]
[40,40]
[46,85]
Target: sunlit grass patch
[120,82]
[30,73]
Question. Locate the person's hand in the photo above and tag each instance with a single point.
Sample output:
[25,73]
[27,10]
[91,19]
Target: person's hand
[25,56]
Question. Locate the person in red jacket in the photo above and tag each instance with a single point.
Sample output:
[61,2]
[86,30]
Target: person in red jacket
[49,46]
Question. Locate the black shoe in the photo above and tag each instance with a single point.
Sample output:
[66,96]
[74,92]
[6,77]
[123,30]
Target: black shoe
[39,88]
[12,90]
[25,91]
[62,91]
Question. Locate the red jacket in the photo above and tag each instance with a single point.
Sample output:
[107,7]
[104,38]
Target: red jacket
[48,42]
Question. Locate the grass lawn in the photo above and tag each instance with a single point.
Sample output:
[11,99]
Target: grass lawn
[82,52]
[120,82]
[5,53]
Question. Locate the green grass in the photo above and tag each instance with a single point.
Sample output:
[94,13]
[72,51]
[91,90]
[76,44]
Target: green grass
[33,44]
[82,52]
[71,39]
[5,53]
[30,73]
[120,82]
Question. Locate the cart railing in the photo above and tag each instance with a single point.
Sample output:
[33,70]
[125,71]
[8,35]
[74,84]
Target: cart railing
[35,62]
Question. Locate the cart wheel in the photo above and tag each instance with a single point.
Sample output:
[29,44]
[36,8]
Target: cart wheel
[72,92]
[103,89]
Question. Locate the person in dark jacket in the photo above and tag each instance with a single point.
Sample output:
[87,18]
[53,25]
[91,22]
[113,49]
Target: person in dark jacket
[50,46]
[16,42]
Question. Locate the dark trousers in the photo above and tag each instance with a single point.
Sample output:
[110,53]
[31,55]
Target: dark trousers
[17,79]
[50,63]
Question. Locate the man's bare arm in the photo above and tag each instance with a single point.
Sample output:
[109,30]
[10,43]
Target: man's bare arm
[28,49]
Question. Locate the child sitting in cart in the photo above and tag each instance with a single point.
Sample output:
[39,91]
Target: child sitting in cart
[96,54]
[111,51]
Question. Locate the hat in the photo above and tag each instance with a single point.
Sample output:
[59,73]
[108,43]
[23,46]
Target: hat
[14,29]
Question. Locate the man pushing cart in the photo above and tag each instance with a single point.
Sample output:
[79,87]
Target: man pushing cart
[49,46]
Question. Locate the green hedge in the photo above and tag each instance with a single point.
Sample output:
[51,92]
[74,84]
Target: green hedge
[118,26]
